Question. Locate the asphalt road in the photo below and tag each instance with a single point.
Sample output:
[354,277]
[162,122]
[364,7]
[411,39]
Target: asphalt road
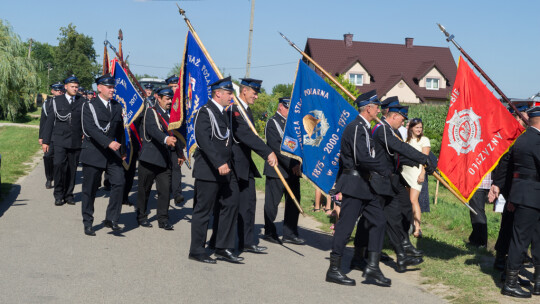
[46,258]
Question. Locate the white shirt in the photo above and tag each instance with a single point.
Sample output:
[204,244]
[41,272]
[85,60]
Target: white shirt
[105,102]
[244,104]
[367,122]
[220,107]
[68,97]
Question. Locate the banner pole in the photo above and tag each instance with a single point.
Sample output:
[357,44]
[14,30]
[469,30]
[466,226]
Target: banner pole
[450,38]
[239,106]
[435,174]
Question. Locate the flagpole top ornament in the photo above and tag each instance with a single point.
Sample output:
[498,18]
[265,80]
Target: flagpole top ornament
[448,36]
[120,35]
[181,11]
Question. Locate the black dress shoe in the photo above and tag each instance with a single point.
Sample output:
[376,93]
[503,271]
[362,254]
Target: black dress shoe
[48,184]
[203,258]
[59,202]
[293,240]
[166,226]
[272,238]
[145,223]
[70,201]
[89,231]
[228,255]
[179,199]
[255,249]
[109,224]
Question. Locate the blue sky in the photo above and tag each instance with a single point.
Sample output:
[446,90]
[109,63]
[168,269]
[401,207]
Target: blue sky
[502,36]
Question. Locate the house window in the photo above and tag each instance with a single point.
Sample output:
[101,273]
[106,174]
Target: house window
[356,79]
[432,83]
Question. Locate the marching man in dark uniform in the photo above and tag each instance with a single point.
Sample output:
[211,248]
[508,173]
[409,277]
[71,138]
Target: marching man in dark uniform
[103,151]
[524,162]
[176,180]
[172,82]
[63,130]
[48,159]
[150,100]
[391,153]
[215,181]
[158,147]
[291,171]
[356,162]
[502,182]
[245,141]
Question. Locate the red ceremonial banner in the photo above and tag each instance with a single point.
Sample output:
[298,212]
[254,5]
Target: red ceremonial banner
[478,131]
[175,119]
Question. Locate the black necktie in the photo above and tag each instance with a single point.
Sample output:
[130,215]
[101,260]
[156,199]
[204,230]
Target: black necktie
[109,106]
[250,115]
[71,100]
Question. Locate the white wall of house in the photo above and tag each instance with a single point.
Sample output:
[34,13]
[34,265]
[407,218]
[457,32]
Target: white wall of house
[357,68]
[433,73]
[403,92]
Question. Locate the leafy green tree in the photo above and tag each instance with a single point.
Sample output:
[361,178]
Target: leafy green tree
[44,53]
[19,80]
[175,69]
[76,55]
[283,89]
[342,79]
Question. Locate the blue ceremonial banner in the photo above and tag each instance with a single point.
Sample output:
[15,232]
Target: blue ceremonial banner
[317,118]
[132,104]
[197,74]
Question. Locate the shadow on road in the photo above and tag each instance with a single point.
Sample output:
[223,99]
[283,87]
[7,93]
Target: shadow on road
[10,198]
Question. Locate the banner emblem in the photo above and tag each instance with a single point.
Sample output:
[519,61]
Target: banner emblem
[315,124]
[290,144]
[464,131]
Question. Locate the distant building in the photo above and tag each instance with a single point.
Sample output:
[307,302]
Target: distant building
[416,74]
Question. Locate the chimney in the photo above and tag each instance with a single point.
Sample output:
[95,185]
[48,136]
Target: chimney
[348,40]
[409,43]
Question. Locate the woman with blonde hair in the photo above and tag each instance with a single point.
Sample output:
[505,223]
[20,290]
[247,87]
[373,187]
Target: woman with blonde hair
[415,176]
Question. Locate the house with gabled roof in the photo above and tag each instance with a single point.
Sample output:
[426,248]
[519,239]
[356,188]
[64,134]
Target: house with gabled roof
[416,74]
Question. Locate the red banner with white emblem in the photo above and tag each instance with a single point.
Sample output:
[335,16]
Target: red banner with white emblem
[478,131]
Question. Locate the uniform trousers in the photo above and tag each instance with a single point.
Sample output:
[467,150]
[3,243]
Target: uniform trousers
[48,162]
[404,199]
[91,182]
[176,180]
[246,212]
[147,174]
[210,195]
[479,233]
[375,222]
[65,168]
[505,232]
[526,230]
[393,218]
[274,190]
[130,176]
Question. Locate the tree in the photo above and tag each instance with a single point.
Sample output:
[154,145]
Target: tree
[342,79]
[44,53]
[175,69]
[19,78]
[283,89]
[76,55]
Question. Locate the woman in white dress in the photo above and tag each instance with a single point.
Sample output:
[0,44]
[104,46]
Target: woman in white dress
[415,175]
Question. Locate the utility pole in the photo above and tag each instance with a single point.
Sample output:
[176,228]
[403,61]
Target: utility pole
[248,65]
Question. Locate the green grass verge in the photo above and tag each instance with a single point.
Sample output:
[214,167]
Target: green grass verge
[17,147]
[466,272]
